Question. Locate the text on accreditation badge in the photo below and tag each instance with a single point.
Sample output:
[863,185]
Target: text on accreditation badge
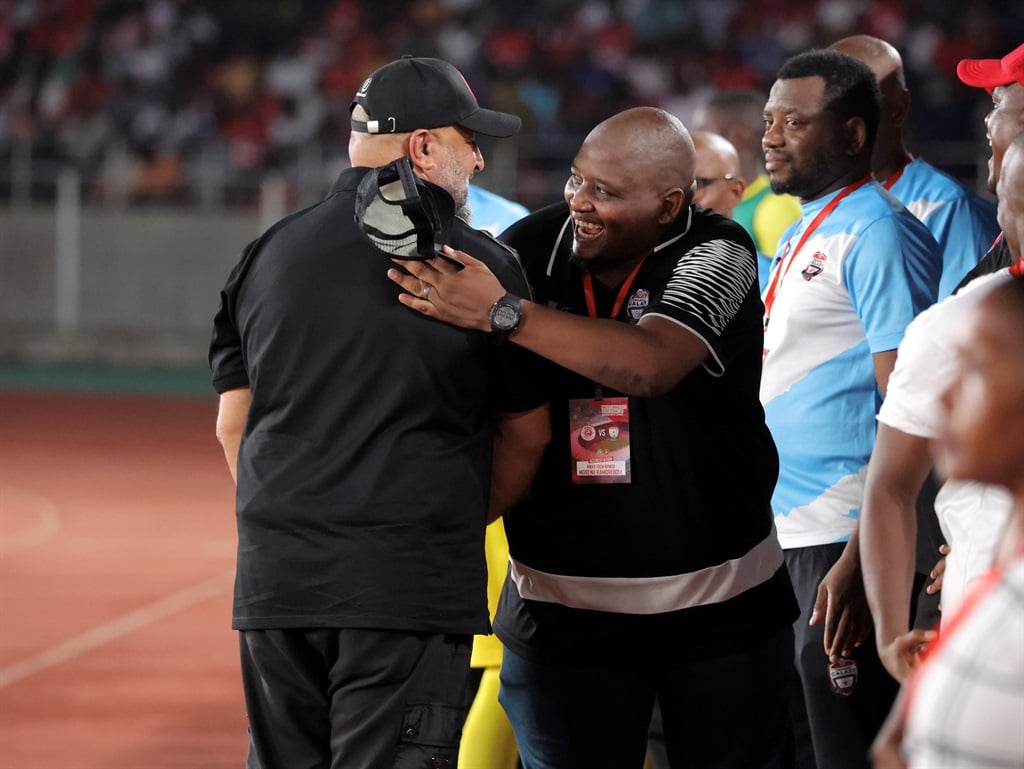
[599,440]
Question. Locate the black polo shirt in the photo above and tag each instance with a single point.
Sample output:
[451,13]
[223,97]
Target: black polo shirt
[363,474]
[703,462]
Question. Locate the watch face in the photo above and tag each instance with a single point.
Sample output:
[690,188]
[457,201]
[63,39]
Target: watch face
[506,316]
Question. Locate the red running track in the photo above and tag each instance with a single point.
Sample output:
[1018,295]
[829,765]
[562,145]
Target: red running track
[117,546]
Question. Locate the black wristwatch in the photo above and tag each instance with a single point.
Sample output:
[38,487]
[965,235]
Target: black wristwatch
[505,315]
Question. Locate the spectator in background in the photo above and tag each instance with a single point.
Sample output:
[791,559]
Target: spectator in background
[963,223]
[719,180]
[964,705]
[850,276]
[739,117]
[368,445]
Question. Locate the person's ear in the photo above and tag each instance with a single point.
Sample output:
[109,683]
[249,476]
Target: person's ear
[736,187]
[901,107]
[673,201]
[418,148]
[855,135]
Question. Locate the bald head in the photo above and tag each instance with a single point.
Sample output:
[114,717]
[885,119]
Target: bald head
[720,180]
[629,183]
[711,145]
[652,142]
[882,58]
[373,150]
[1010,191]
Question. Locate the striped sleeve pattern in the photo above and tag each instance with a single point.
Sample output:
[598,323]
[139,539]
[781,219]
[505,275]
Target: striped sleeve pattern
[711,281]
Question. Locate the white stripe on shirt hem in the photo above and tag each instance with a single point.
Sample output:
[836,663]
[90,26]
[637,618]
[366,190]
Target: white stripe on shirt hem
[653,595]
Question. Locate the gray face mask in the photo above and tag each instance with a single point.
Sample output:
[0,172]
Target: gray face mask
[402,215]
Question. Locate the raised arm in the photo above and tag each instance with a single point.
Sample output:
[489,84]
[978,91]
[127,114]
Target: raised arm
[645,360]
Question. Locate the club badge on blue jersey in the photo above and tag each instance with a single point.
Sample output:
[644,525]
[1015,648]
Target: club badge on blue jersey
[815,267]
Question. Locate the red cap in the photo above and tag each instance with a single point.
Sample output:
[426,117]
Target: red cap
[990,73]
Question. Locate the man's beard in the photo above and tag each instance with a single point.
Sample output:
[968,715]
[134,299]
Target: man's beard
[455,182]
[808,181]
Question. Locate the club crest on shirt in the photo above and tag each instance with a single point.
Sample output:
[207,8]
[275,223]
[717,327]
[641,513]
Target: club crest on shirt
[815,267]
[638,303]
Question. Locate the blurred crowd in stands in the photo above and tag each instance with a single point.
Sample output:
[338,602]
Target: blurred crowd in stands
[150,100]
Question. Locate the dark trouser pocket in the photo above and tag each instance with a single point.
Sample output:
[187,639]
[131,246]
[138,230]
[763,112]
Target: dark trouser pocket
[430,737]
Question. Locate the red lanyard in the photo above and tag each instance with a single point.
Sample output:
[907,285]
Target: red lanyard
[1017,270]
[780,272]
[588,291]
[888,183]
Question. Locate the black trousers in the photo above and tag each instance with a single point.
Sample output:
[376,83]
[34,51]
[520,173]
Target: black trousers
[831,731]
[354,699]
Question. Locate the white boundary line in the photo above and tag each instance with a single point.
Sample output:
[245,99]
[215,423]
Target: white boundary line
[122,626]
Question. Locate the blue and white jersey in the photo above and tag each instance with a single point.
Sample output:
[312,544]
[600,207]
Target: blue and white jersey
[963,222]
[859,279]
[492,212]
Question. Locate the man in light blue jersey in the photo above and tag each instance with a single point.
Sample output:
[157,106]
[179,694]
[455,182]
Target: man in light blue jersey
[849,276]
[962,221]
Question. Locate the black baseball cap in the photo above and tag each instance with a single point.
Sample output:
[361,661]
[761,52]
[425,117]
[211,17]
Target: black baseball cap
[412,93]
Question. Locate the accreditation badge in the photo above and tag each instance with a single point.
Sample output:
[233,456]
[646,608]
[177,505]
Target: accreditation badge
[599,440]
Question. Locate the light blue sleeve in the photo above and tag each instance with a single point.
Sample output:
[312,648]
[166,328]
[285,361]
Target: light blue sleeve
[965,229]
[891,274]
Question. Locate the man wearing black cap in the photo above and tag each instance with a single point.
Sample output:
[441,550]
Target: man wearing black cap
[362,439]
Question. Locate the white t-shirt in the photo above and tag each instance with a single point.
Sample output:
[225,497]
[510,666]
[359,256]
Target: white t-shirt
[972,515]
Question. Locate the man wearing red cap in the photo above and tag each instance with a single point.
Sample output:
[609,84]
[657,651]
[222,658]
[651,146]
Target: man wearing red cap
[1004,80]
